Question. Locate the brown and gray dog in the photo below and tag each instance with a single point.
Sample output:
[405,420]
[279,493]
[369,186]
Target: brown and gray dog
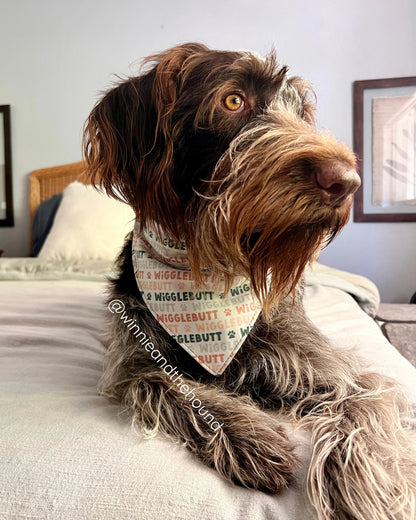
[217,153]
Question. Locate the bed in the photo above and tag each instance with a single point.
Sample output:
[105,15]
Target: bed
[67,453]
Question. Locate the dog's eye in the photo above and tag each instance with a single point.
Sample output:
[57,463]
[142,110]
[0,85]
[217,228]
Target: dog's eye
[234,102]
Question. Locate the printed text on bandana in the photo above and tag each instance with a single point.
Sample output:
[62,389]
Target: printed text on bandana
[211,326]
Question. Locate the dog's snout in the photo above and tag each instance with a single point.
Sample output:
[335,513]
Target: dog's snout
[336,181]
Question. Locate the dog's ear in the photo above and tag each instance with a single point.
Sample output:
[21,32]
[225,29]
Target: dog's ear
[128,141]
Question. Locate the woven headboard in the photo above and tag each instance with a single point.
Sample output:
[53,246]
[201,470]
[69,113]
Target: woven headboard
[46,182]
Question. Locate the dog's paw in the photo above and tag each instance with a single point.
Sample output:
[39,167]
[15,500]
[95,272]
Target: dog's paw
[257,456]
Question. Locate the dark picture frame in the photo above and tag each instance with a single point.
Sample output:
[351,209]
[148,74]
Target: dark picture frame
[385,145]
[6,214]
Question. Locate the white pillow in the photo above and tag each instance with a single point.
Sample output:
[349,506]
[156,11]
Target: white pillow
[88,225]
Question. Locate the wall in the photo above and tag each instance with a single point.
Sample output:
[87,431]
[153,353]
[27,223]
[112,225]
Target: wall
[56,57]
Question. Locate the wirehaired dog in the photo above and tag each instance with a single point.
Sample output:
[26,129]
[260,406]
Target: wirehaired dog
[235,192]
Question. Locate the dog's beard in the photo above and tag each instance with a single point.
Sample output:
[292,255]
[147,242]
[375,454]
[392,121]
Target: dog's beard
[262,214]
[273,260]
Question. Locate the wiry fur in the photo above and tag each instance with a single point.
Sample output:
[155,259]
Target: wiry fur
[241,189]
[280,144]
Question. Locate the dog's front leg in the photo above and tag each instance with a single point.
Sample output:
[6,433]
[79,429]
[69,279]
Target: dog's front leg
[226,432]
[363,462]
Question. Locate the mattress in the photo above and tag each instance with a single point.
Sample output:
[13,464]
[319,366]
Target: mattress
[67,453]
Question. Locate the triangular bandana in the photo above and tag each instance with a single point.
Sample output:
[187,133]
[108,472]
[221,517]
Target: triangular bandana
[209,325]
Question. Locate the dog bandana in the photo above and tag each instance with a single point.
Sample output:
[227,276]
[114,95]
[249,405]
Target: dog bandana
[209,325]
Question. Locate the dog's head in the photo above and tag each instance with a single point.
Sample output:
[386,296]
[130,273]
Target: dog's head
[220,149]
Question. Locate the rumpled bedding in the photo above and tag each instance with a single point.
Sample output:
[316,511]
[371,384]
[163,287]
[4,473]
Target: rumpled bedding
[362,289]
[67,453]
[42,269]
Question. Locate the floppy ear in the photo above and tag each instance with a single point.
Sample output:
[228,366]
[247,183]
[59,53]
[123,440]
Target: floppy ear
[128,141]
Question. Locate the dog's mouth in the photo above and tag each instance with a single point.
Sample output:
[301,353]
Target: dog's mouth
[269,244]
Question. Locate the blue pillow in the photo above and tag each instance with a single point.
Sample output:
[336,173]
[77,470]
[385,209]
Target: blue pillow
[43,221]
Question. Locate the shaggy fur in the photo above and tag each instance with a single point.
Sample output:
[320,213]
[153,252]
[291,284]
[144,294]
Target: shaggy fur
[254,191]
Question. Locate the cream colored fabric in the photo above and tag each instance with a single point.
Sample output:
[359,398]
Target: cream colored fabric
[211,326]
[87,225]
[363,290]
[62,269]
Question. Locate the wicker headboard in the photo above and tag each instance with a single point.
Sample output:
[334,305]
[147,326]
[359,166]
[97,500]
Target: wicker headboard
[46,182]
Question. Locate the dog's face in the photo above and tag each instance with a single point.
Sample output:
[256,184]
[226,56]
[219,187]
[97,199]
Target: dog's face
[220,149]
[166,129]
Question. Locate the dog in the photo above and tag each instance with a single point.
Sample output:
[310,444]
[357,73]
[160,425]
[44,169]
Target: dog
[235,192]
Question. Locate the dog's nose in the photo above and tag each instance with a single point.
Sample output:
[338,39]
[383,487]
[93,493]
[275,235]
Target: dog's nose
[336,181]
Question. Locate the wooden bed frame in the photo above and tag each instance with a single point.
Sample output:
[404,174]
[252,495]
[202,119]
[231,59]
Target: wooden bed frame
[48,181]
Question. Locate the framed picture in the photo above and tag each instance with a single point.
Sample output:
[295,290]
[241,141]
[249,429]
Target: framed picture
[6,197]
[385,144]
